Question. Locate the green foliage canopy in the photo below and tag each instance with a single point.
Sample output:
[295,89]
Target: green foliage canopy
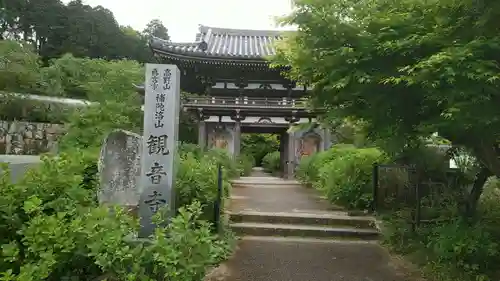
[110,83]
[408,68]
[19,66]
[54,29]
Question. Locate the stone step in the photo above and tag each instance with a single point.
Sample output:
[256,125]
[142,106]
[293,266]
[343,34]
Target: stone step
[295,239]
[323,219]
[257,186]
[265,185]
[287,230]
[264,182]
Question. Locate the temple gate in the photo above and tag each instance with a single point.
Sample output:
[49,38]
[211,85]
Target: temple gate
[238,92]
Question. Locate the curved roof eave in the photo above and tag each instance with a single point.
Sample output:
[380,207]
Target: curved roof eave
[201,57]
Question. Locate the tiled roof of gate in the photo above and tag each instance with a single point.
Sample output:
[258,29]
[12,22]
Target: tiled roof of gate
[223,43]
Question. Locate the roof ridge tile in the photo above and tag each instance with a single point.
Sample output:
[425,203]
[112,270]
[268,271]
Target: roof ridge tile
[223,43]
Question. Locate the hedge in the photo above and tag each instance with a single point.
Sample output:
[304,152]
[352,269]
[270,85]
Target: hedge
[271,162]
[342,174]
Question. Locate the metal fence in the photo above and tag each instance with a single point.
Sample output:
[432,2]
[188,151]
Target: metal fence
[400,187]
[218,203]
[396,187]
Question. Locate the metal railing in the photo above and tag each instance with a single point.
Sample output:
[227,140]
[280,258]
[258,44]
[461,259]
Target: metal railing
[244,102]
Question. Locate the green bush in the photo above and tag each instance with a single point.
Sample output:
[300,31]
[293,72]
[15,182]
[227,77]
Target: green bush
[343,173]
[304,172]
[259,145]
[195,149]
[452,250]
[52,229]
[271,162]
[197,180]
[469,248]
[245,164]
[51,226]
[309,167]
[222,157]
[488,202]
[450,247]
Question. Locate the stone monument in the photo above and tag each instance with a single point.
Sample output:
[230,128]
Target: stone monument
[160,134]
[120,169]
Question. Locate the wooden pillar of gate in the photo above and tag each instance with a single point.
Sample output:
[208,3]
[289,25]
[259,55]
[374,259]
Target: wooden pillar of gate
[237,117]
[290,169]
[283,154]
[202,129]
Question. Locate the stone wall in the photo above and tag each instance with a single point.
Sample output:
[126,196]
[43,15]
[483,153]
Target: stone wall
[28,138]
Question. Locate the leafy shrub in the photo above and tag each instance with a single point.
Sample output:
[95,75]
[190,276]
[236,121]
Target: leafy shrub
[488,202]
[343,173]
[309,167]
[271,162]
[197,180]
[450,247]
[222,157]
[195,149]
[19,66]
[245,164]
[449,250]
[259,145]
[18,107]
[51,228]
[470,249]
[304,173]
[88,127]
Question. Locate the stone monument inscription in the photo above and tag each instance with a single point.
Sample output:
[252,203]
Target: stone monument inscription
[120,169]
[161,122]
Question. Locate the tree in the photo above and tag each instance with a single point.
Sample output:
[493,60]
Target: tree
[9,12]
[97,80]
[93,32]
[409,68]
[135,45]
[19,67]
[55,29]
[43,22]
[155,28]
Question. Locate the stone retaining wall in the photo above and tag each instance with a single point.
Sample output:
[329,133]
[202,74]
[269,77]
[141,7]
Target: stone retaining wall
[28,138]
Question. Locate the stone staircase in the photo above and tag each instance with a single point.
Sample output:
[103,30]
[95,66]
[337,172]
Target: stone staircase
[332,225]
[267,206]
[290,233]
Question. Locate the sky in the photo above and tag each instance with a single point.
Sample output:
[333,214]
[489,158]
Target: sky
[182,17]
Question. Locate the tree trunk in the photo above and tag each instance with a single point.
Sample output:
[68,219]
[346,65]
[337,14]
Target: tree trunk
[475,193]
[487,154]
